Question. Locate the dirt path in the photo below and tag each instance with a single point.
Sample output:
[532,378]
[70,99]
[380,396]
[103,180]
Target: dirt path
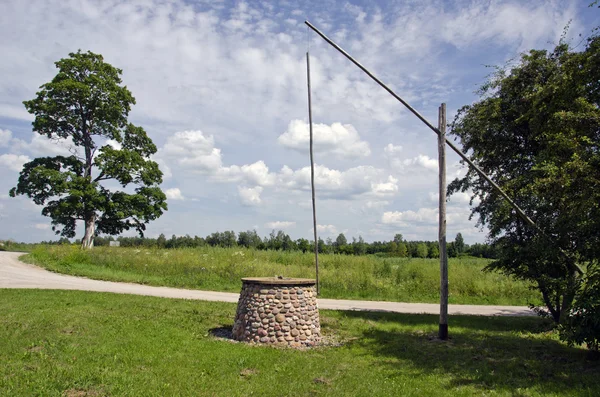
[16,274]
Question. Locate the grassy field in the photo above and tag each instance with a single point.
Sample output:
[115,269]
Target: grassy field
[71,343]
[344,277]
[12,246]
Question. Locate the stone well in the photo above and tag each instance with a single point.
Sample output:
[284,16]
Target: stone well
[278,311]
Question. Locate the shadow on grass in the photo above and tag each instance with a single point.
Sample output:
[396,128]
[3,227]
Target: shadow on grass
[222,332]
[514,355]
[479,323]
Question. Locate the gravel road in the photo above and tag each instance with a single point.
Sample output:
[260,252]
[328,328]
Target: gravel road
[16,274]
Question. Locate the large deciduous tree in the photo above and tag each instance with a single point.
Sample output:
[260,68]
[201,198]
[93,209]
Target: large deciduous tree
[536,131]
[86,104]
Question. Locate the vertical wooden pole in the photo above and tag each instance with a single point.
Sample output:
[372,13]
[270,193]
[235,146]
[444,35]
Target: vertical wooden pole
[443,330]
[312,174]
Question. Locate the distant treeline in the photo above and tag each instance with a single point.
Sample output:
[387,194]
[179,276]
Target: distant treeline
[279,240]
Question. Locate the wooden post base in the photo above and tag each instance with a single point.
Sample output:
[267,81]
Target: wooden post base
[443,333]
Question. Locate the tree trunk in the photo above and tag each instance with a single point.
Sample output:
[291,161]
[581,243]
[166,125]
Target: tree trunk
[563,301]
[90,230]
[90,217]
[554,311]
[568,297]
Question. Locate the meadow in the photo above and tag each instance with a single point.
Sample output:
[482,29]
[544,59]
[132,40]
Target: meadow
[73,343]
[341,276]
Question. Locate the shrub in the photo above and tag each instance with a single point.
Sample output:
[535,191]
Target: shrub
[583,324]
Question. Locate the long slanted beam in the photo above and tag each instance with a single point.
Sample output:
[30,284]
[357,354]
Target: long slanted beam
[521,213]
[518,209]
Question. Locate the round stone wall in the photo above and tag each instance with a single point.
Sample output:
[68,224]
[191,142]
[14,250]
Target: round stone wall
[278,311]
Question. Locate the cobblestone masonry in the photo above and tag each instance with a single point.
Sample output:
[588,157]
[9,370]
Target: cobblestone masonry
[278,312]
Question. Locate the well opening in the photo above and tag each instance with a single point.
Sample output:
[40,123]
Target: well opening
[278,311]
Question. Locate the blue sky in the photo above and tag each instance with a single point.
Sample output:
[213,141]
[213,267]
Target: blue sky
[221,89]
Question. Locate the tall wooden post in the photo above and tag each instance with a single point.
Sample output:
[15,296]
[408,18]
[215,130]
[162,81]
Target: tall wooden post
[312,174]
[443,330]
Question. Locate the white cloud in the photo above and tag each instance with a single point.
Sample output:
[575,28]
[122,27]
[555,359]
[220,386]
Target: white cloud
[255,174]
[257,85]
[280,225]
[376,204]
[258,173]
[114,144]
[387,188]
[175,45]
[326,229]
[422,161]
[192,150]
[40,145]
[458,199]
[174,194]
[392,150]
[505,22]
[250,196]
[423,215]
[5,137]
[166,170]
[426,218]
[13,162]
[17,112]
[42,226]
[332,183]
[409,165]
[463,199]
[341,140]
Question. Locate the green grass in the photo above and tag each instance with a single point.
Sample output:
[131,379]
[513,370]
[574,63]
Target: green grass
[341,276]
[67,343]
[17,247]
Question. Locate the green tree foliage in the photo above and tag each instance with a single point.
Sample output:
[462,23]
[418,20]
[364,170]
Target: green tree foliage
[392,248]
[288,244]
[536,131]
[86,104]
[359,247]
[422,250]
[276,240]
[451,250]
[161,241]
[433,251]
[321,247]
[249,239]
[402,251]
[222,239]
[459,243]
[482,251]
[397,249]
[341,240]
[339,246]
[228,239]
[303,244]
[583,324]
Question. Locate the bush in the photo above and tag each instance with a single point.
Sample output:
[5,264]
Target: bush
[583,324]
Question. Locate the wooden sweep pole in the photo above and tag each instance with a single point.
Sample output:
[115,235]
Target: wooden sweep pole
[443,330]
[312,173]
[482,174]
